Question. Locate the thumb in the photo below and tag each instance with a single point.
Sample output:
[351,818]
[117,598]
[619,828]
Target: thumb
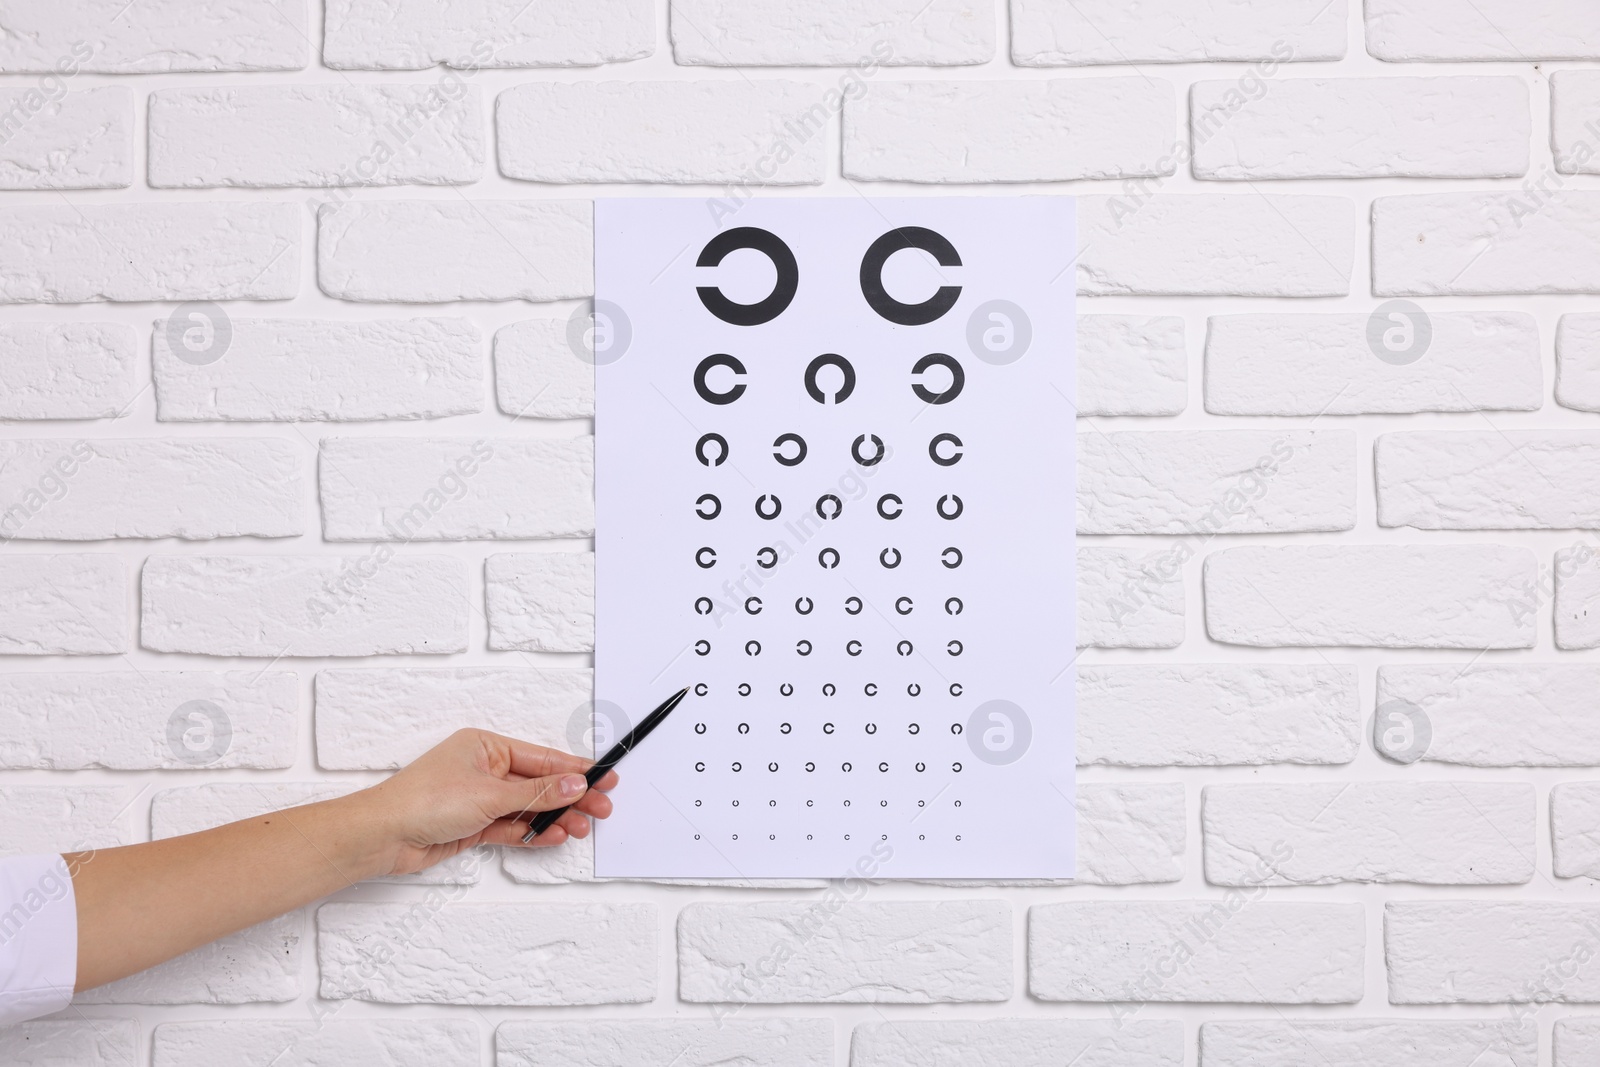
[544,794]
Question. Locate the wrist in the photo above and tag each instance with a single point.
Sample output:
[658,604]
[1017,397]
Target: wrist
[367,833]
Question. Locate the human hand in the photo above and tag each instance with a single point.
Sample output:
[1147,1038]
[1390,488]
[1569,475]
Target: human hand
[477,787]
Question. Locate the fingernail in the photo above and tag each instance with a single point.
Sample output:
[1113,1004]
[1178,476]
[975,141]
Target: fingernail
[573,784]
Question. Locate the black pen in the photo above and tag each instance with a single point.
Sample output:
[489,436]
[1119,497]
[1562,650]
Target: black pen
[543,821]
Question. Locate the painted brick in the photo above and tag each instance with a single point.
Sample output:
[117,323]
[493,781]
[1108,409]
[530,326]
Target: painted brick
[191,809]
[1575,121]
[845,952]
[1045,33]
[538,374]
[665,1043]
[62,140]
[155,36]
[479,954]
[67,370]
[1019,1043]
[1370,1043]
[429,251]
[749,132]
[454,489]
[1130,834]
[1489,952]
[352,1043]
[325,370]
[1362,128]
[469,34]
[1128,599]
[192,488]
[1216,481]
[384,719]
[69,604]
[1325,365]
[1576,1041]
[816,33]
[1379,596]
[561,865]
[258,965]
[1439,833]
[1235,949]
[39,819]
[1577,607]
[1504,714]
[1217,714]
[1015,131]
[80,1042]
[316,135]
[1435,244]
[1578,362]
[304,605]
[120,719]
[1575,829]
[1131,365]
[1489,480]
[540,601]
[68,254]
[1409,30]
[1215,245]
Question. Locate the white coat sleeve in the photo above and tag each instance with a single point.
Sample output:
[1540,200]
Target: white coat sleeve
[38,937]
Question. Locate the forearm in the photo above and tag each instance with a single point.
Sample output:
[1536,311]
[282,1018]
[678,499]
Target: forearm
[140,905]
[143,904]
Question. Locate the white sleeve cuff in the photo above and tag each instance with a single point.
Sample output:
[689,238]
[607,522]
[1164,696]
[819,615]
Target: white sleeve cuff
[38,937]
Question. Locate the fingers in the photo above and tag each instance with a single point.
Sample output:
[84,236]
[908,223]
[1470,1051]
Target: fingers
[609,781]
[509,831]
[542,794]
[536,761]
[594,803]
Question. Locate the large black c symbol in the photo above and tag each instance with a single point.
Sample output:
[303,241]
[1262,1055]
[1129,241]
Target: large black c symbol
[943,252]
[768,244]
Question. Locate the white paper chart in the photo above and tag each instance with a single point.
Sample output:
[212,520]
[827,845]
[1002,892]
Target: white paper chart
[835,496]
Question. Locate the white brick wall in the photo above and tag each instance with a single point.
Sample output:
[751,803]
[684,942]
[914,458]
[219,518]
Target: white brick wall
[381,35]
[646,1043]
[848,953]
[1437,244]
[310,370]
[1280,1043]
[258,136]
[391,1043]
[1366,128]
[100,1041]
[525,954]
[701,132]
[1288,364]
[70,370]
[74,141]
[1048,34]
[1339,556]
[1232,950]
[142,252]
[1009,131]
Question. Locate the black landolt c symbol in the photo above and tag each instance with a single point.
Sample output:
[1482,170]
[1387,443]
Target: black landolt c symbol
[768,244]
